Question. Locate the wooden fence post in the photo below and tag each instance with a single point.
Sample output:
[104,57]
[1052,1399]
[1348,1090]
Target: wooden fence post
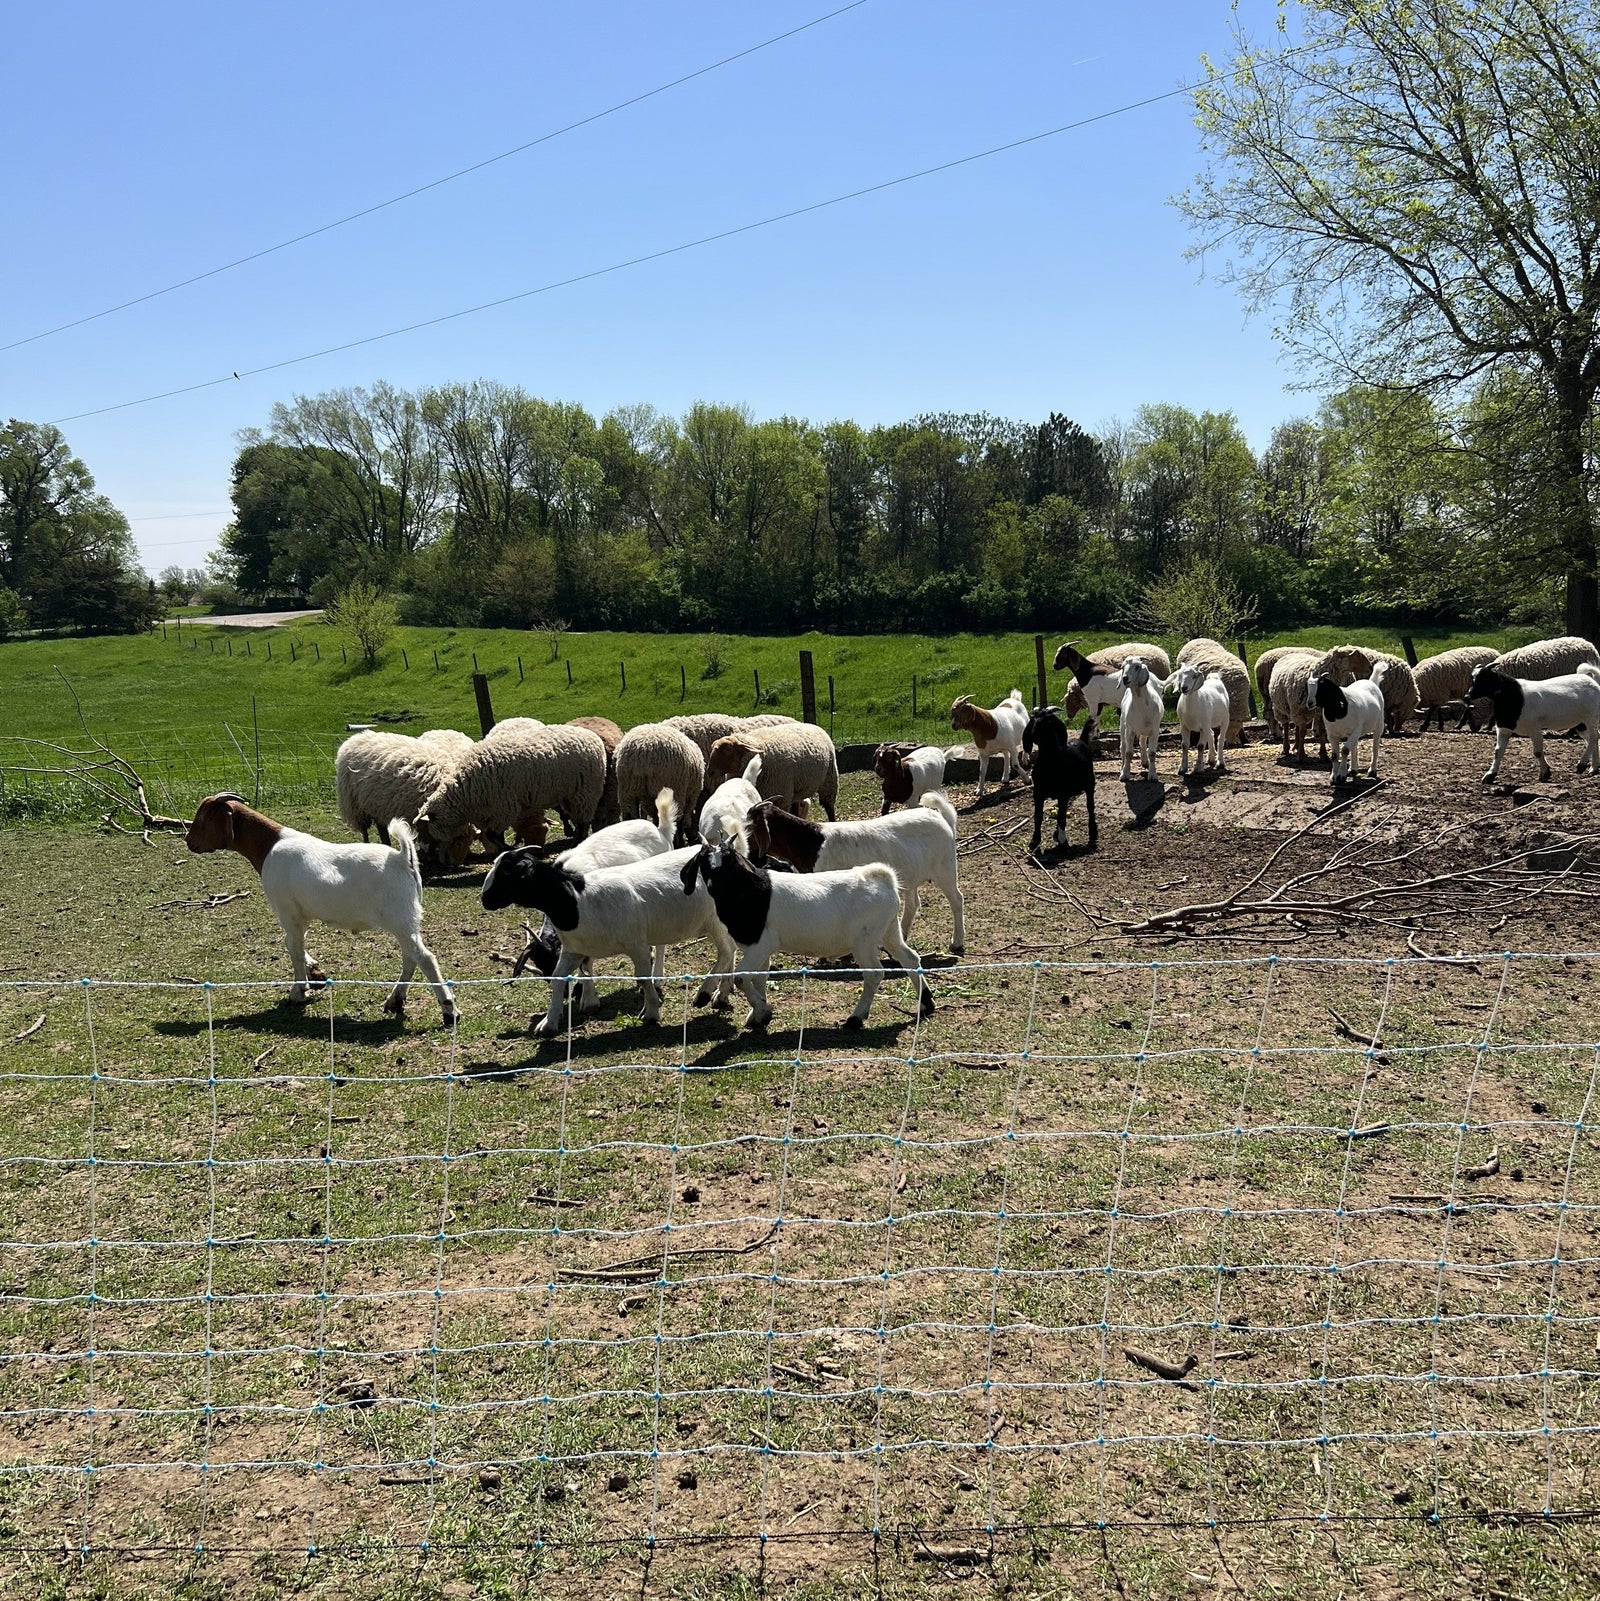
[1250,678]
[830,703]
[405,658]
[292,656]
[624,667]
[269,650]
[913,694]
[683,683]
[436,661]
[519,669]
[569,675]
[480,688]
[1409,649]
[1038,662]
[757,672]
[317,648]
[808,688]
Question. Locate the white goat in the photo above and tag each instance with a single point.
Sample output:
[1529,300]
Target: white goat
[997,731]
[308,880]
[635,910]
[1203,712]
[1350,714]
[919,843]
[635,840]
[809,914]
[1141,712]
[1535,707]
[727,804]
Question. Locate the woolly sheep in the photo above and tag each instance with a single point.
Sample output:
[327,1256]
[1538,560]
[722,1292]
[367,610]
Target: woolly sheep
[1262,673]
[378,775]
[1444,678]
[1234,674]
[706,728]
[655,756]
[1547,658]
[1104,664]
[797,761]
[1399,687]
[1351,664]
[509,778]
[1293,710]
[607,812]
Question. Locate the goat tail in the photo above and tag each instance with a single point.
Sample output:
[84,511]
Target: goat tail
[1090,738]
[1589,670]
[404,841]
[667,814]
[937,801]
[752,773]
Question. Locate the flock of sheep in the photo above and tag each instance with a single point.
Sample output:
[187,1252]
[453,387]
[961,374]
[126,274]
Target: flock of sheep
[698,826]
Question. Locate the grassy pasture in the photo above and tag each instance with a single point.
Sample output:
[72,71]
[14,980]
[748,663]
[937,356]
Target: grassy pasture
[189,714]
[1141,1133]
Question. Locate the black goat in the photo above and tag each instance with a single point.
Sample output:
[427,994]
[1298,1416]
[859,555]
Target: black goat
[1062,768]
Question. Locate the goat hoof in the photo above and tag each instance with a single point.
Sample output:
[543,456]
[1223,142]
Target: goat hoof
[703,998]
[397,1007]
[451,1018]
[926,1009]
[852,1022]
[958,950]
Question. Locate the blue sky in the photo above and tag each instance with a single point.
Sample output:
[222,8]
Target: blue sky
[166,139]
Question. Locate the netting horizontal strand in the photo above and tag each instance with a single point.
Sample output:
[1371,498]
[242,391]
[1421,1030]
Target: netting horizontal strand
[977,1244]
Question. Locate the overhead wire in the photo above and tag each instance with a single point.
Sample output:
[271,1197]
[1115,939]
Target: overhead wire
[435,183]
[643,258]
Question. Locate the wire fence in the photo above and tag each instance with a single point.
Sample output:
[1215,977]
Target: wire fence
[310,1282]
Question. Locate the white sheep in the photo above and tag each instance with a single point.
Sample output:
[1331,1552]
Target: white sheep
[656,756]
[798,761]
[1095,684]
[918,843]
[636,909]
[808,914]
[1398,686]
[997,731]
[510,778]
[1547,658]
[723,815]
[633,841]
[1533,708]
[1140,712]
[380,775]
[1351,713]
[1444,678]
[308,880]
[1289,694]
[1262,673]
[1203,652]
[608,811]
[1203,711]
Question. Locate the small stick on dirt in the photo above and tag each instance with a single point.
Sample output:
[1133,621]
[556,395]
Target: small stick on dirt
[901,1182]
[641,1269]
[1232,1356]
[1484,1170]
[629,1302]
[981,1064]
[1176,1372]
[1341,1026]
[804,1375]
[1370,1132]
[958,1556]
[409,1478]
[204,903]
[32,1029]
[544,1198]
[256,1063]
[1172,883]
[1417,1200]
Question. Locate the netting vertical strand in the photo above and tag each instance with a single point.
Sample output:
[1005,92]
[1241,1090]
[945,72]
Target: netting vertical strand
[1124,1141]
[1563,1207]
[90,1319]
[666,1264]
[1450,1210]
[1009,1150]
[1230,1191]
[895,1168]
[777,1246]
[211,1265]
[1334,1265]
[436,1322]
[318,1469]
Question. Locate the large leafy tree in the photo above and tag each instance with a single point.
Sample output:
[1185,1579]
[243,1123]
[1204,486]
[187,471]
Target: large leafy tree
[66,555]
[1415,186]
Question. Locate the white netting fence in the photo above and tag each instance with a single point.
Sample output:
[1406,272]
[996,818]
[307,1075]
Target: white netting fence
[1158,1244]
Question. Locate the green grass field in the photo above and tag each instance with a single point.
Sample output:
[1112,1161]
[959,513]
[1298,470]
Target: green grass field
[190,709]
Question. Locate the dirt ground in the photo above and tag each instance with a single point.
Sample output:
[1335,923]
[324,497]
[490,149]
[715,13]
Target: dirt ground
[693,1312]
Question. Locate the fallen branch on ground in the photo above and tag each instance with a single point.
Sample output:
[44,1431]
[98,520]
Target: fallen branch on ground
[32,1029]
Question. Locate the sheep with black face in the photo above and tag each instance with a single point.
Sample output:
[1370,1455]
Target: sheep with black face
[808,914]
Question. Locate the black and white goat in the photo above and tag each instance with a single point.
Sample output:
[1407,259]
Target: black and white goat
[808,914]
[1350,713]
[1536,707]
[635,910]
[1063,768]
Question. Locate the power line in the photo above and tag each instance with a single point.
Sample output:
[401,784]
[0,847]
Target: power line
[436,183]
[641,260]
[179,516]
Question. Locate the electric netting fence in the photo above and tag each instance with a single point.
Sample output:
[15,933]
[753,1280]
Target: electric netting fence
[1097,1244]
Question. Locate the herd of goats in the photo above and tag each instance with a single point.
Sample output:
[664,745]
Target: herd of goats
[699,826]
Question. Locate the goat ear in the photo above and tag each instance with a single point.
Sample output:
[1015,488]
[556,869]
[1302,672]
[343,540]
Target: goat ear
[229,832]
[691,869]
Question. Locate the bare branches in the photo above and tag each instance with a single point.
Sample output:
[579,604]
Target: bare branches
[119,783]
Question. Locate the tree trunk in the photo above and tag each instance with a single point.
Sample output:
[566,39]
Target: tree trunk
[1577,517]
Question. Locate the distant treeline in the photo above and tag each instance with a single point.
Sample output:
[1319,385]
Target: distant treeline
[481,504]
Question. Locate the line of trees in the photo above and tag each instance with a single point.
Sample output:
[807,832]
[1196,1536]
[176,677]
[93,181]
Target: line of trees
[481,504]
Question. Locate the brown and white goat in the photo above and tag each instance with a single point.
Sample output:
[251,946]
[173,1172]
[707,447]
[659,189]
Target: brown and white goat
[995,732]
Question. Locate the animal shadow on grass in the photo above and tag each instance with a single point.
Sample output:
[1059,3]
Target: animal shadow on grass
[1146,797]
[783,1042]
[1196,782]
[1047,856]
[308,1022]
